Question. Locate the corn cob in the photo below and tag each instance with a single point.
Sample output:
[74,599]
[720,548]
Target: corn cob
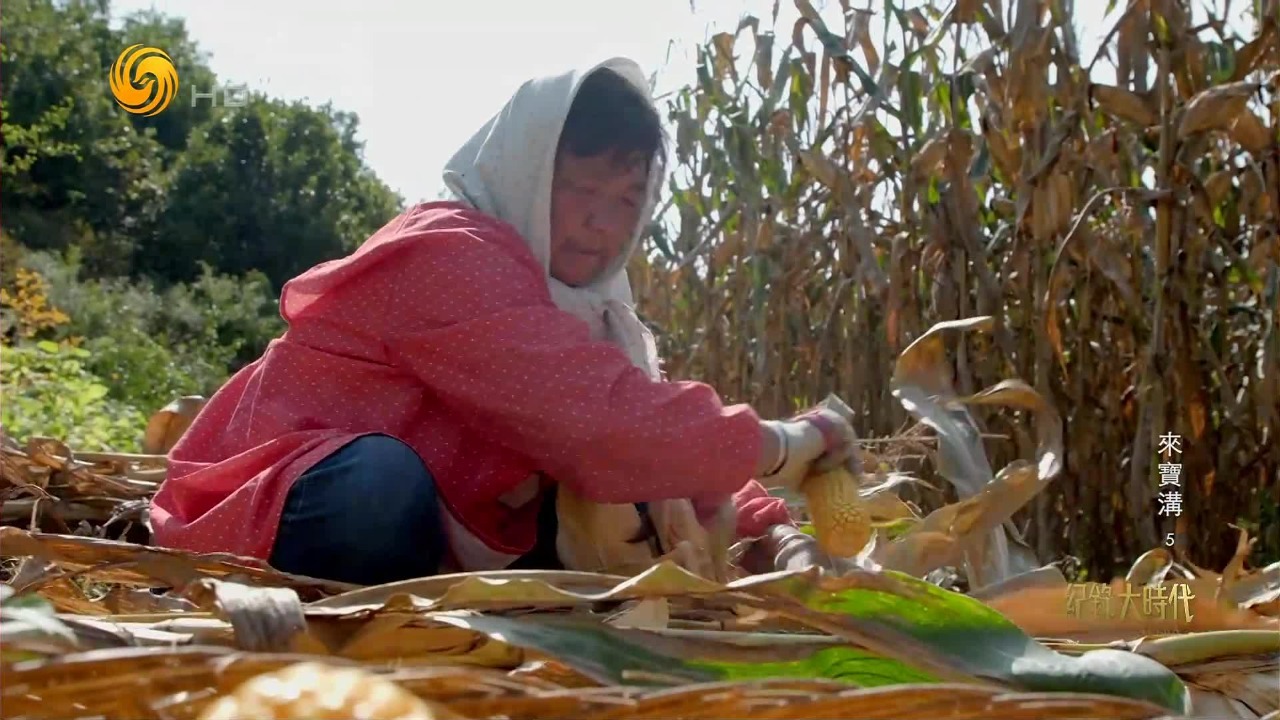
[317,691]
[841,524]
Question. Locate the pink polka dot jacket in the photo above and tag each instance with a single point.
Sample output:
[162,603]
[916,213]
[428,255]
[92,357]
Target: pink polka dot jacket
[440,331]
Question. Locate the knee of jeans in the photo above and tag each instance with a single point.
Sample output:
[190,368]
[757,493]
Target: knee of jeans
[397,482]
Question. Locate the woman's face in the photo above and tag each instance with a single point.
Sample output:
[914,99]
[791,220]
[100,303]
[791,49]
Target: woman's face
[595,208]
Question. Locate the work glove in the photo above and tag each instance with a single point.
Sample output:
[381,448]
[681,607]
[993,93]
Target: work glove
[813,442]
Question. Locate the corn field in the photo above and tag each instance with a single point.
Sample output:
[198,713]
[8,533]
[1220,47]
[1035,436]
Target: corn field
[837,194]
[947,222]
[98,624]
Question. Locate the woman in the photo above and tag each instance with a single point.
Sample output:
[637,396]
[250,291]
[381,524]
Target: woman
[435,385]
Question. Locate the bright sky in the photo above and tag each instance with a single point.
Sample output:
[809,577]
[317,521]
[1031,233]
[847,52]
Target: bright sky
[423,76]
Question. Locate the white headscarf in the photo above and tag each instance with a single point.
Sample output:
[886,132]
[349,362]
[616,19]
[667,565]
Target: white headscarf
[506,170]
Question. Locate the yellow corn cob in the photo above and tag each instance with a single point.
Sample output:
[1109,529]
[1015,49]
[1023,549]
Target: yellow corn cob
[317,691]
[841,524]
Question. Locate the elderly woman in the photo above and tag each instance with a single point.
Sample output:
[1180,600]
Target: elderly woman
[435,385]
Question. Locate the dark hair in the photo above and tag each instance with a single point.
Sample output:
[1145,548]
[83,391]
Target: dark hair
[609,115]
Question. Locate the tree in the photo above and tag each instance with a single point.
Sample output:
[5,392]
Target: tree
[273,186]
[84,175]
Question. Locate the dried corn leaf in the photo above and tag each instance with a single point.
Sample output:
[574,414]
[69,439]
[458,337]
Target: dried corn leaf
[1216,108]
[929,161]
[1150,567]
[1104,612]
[1252,135]
[821,167]
[166,426]
[1250,693]
[1256,588]
[1124,104]
[129,564]
[51,465]
[886,507]
[966,527]
[892,618]
[1175,650]
[921,383]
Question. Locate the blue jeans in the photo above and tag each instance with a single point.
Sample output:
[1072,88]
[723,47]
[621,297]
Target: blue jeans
[368,514]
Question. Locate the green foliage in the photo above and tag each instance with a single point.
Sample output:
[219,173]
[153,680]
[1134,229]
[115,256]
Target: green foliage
[161,241]
[274,187]
[921,629]
[150,346]
[24,145]
[48,391]
[1266,530]
[104,185]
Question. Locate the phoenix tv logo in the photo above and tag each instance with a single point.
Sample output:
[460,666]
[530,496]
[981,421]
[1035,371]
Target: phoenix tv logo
[144,82]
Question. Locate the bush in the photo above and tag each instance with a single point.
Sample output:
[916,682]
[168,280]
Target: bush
[143,372]
[87,361]
[49,391]
[148,345]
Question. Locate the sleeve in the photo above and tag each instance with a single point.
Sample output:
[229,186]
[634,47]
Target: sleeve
[758,510]
[490,344]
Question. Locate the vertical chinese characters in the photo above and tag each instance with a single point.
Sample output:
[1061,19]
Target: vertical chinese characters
[1170,474]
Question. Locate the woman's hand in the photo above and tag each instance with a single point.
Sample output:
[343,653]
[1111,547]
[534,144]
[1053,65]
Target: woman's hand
[819,439]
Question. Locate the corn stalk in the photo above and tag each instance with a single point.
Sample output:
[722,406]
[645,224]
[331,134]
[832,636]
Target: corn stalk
[836,194]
